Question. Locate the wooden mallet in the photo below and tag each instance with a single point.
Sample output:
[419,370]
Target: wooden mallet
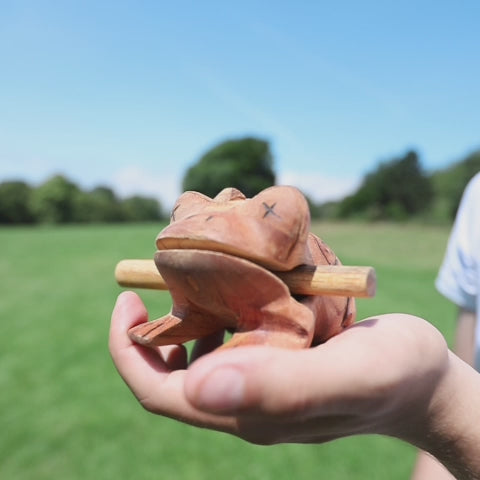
[348,281]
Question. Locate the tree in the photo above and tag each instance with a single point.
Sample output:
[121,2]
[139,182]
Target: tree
[98,205]
[246,164]
[397,189]
[15,203]
[450,183]
[58,200]
[54,200]
[139,209]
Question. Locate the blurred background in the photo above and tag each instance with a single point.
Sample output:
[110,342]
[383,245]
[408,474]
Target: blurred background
[109,110]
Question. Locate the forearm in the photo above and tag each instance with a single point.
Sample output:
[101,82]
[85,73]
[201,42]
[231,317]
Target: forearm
[452,430]
[465,335]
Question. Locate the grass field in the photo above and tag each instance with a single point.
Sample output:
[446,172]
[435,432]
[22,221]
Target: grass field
[65,413]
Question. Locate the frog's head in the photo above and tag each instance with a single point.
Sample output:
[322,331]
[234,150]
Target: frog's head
[270,229]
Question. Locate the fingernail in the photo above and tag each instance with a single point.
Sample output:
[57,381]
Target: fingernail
[222,390]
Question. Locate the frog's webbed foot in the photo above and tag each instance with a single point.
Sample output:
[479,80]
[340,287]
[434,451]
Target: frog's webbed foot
[169,330]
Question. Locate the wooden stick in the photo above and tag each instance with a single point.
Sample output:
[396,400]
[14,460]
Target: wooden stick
[305,280]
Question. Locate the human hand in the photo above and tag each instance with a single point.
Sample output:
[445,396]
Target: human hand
[377,376]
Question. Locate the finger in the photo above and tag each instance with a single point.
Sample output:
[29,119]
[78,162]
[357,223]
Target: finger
[329,379]
[143,369]
[359,372]
[129,311]
[207,344]
[175,356]
[277,395]
[134,363]
[262,380]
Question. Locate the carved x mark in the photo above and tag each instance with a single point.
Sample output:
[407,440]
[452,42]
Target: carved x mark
[269,209]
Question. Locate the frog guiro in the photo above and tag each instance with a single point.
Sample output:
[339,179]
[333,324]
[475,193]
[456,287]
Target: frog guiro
[219,258]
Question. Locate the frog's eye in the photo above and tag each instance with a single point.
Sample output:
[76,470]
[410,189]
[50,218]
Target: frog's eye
[189,203]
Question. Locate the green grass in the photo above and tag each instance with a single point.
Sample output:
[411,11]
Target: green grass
[64,411]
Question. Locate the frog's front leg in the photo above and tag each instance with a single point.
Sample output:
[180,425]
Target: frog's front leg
[170,330]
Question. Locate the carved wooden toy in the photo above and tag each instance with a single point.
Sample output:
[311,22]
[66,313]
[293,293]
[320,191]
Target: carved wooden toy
[250,266]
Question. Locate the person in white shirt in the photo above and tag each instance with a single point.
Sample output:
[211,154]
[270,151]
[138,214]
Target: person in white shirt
[459,280]
[459,275]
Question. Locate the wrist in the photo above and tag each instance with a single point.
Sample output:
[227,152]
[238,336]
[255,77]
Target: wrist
[450,427]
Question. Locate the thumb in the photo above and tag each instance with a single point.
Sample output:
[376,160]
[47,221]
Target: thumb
[258,380]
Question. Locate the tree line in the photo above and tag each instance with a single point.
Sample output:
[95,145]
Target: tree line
[59,200]
[401,189]
[395,190]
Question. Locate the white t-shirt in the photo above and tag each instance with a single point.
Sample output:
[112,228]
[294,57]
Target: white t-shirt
[459,276]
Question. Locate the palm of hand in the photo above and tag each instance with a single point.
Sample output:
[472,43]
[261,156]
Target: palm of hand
[364,380]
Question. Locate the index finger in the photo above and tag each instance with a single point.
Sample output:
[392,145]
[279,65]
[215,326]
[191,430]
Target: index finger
[158,389]
[134,363]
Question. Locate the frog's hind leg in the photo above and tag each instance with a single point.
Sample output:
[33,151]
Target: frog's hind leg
[285,323]
[168,330]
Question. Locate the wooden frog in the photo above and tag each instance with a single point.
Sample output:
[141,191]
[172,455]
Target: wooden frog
[221,259]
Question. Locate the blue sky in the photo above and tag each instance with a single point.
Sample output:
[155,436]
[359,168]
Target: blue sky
[130,93]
